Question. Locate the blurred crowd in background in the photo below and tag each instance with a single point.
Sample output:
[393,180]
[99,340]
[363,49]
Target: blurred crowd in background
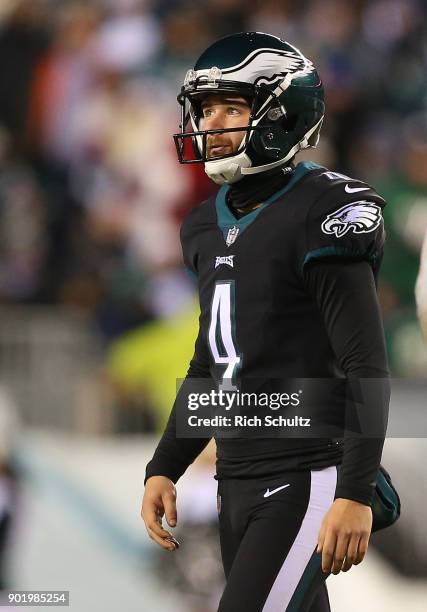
[92,286]
[92,195]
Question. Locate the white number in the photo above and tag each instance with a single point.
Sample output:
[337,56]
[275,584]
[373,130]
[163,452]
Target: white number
[336,175]
[222,305]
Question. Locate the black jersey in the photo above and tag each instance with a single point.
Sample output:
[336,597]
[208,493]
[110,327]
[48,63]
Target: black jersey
[258,318]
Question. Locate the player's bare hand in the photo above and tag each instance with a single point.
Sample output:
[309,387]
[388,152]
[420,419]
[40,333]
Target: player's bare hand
[344,535]
[160,500]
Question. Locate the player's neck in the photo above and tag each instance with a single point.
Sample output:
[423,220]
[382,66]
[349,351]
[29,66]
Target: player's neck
[249,208]
[252,191]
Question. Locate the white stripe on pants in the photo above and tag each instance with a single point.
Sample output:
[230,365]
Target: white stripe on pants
[322,491]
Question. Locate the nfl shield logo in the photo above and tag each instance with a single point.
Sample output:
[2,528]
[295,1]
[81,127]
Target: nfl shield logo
[232,235]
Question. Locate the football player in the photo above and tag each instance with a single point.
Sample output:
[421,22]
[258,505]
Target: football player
[286,257]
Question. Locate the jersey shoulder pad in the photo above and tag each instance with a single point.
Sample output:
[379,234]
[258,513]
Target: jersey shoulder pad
[191,229]
[341,186]
[200,214]
[344,221]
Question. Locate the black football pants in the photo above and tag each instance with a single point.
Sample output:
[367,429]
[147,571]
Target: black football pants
[268,534]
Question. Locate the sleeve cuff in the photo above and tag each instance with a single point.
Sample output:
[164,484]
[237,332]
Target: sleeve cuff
[160,466]
[359,493]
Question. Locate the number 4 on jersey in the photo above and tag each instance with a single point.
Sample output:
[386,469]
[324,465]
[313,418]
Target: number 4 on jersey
[221,327]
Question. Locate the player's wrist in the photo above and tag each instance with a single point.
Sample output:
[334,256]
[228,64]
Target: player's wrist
[158,478]
[350,502]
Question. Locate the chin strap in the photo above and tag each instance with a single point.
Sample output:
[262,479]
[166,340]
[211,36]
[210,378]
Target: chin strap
[233,169]
[228,170]
[304,143]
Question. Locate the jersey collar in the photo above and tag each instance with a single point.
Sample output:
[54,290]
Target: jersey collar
[228,222]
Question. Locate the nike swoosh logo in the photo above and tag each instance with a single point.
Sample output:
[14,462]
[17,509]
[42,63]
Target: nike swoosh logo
[268,492]
[354,189]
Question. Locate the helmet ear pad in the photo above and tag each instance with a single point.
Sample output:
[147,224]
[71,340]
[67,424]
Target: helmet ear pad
[277,138]
[270,142]
[267,143]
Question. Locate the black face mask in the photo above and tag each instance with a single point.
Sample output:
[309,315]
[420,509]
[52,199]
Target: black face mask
[254,189]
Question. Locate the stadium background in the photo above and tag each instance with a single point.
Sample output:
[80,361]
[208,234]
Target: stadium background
[97,317]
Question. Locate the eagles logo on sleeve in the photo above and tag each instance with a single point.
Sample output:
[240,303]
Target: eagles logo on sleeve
[342,225]
[360,217]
